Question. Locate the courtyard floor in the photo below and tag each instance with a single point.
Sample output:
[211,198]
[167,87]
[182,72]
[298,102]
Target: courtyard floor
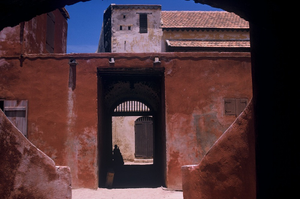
[128,193]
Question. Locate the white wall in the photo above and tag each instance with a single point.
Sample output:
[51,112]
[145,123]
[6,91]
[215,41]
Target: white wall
[123,135]
[132,40]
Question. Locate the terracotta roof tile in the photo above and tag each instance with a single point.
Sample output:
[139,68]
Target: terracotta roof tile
[202,19]
[208,44]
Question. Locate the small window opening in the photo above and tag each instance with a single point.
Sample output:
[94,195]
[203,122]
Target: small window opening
[124,16]
[143,23]
[129,27]
[234,106]
[121,27]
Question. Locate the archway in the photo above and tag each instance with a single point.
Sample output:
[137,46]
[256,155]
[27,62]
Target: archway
[132,132]
[128,93]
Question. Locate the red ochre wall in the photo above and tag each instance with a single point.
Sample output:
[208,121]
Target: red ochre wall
[195,89]
[30,37]
[26,172]
[228,169]
[63,122]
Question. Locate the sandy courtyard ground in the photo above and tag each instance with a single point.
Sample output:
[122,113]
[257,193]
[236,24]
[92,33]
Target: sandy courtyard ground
[132,193]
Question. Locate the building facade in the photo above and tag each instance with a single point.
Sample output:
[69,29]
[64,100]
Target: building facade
[145,28]
[68,102]
[73,125]
[46,33]
[131,28]
[186,31]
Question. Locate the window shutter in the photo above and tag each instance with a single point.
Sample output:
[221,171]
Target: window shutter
[143,23]
[50,32]
[230,106]
[16,112]
[241,105]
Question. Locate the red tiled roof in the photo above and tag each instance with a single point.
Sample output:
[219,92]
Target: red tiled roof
[208,44]
[202,19]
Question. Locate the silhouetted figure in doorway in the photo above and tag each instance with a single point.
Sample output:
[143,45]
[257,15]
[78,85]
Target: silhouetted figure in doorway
[117,158]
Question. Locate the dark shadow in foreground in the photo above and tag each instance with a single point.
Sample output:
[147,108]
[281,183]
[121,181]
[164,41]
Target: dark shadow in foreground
[137,176]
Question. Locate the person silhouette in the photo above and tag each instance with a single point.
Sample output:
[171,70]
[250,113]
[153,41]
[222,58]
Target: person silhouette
[117,157]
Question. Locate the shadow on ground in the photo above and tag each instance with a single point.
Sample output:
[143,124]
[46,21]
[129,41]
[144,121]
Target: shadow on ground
[137,176]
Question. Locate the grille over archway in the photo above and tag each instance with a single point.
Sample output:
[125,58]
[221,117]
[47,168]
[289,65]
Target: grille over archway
[131,108]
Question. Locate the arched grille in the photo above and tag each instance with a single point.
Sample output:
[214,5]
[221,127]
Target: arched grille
[131,106]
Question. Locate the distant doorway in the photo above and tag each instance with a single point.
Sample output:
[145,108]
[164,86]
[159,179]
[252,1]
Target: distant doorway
[135,96]
[144,138]
[132,132]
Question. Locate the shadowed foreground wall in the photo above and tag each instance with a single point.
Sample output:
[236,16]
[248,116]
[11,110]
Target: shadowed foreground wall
[26,172]
[228,169]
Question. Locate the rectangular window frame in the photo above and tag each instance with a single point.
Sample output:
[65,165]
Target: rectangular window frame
[234,106]
[143,19]
[16,111]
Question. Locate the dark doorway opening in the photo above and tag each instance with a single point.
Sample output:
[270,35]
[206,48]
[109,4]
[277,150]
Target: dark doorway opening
[138,87]
[144,138]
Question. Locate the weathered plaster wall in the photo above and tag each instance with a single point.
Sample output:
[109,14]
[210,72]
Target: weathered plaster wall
[228,168]
[63,122]
[267,42]
[123,135]
[30,36]
[195,116]
[132,41]
[26,172]
[35,33]
[204,34]
[10,41]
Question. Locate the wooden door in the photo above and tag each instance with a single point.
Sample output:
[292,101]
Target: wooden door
[144,137]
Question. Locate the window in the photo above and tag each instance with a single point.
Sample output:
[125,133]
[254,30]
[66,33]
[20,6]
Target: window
[16,112]
[50,32]
[129,27]
[143,23]
[234,106]
[121,27]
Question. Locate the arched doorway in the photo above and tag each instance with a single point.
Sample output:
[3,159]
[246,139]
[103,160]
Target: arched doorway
[131,93]
[132,132]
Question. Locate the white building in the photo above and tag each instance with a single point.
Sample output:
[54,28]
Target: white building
[145,28]
[131,28]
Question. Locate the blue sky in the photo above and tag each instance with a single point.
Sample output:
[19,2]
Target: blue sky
[86,20]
